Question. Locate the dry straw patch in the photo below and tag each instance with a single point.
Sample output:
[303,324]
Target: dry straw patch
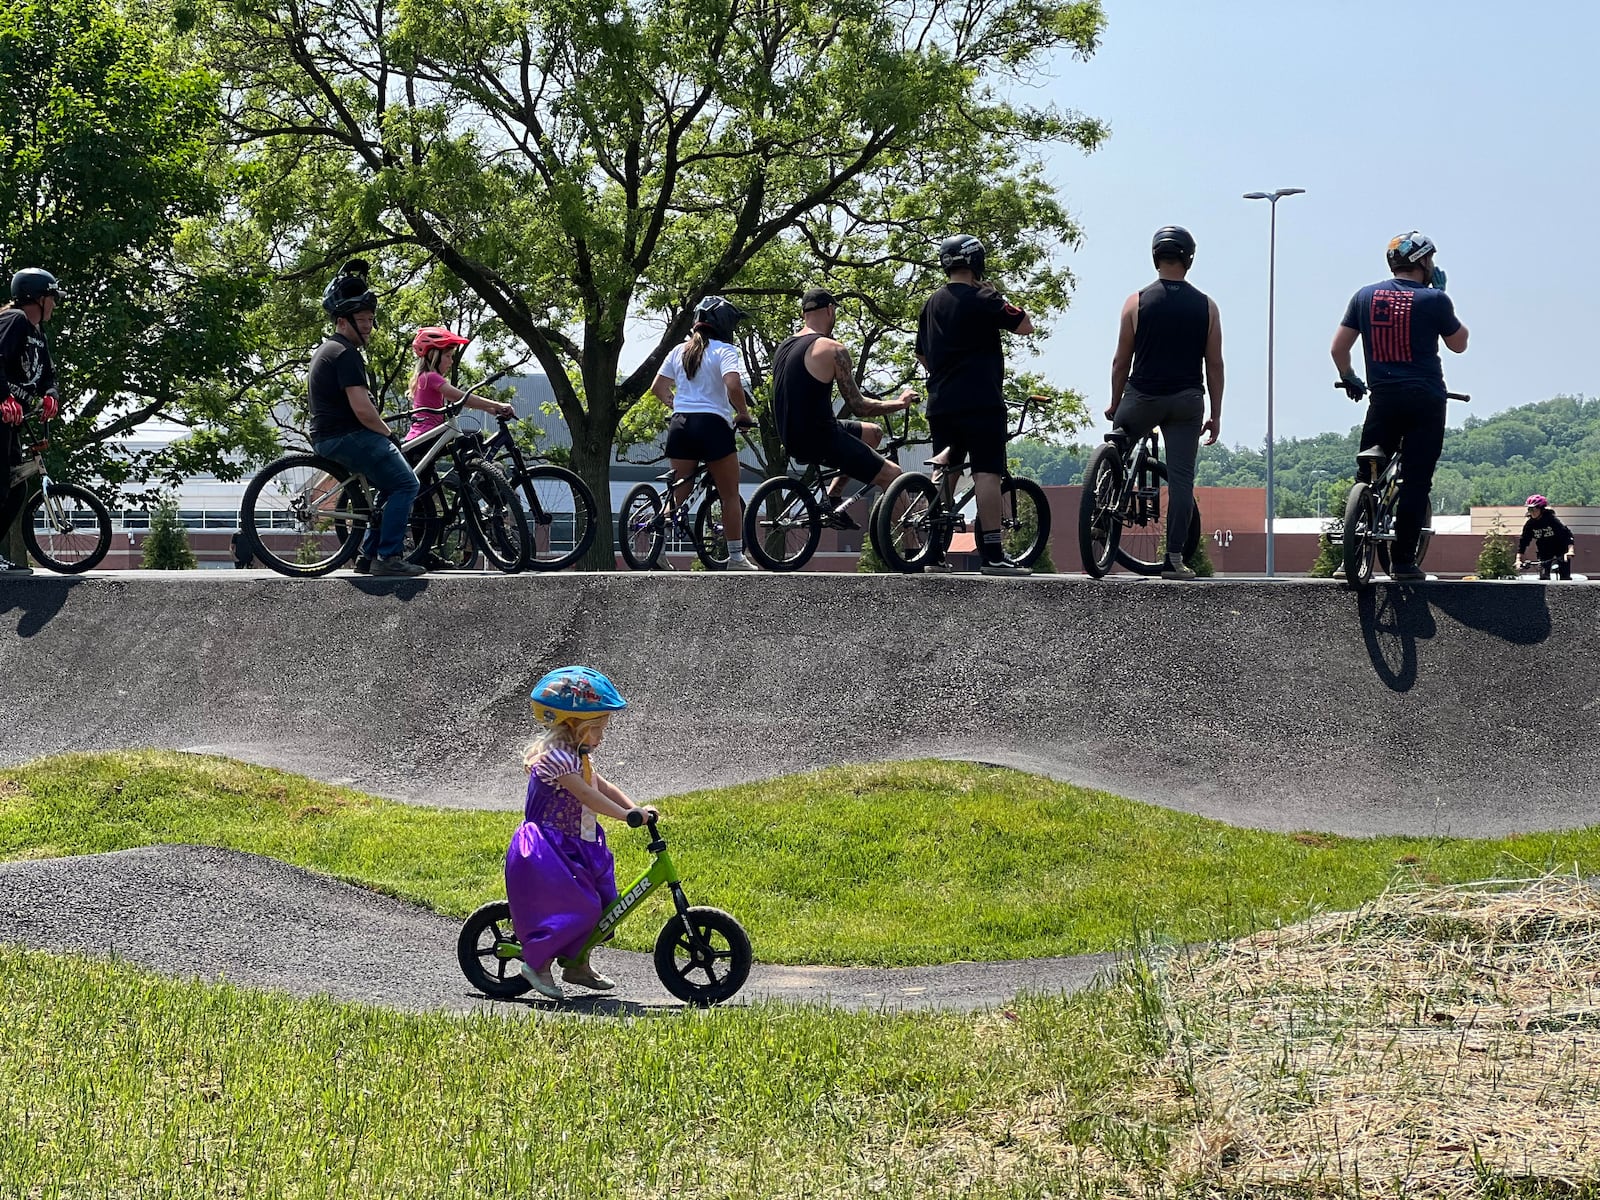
[1444,1043]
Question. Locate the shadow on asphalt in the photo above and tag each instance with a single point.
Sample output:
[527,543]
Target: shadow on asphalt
[39,601]
[1395,618]
[401,589]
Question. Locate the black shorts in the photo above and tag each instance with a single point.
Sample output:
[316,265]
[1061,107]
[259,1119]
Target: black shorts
[845,451]
[704,437]
[979,436]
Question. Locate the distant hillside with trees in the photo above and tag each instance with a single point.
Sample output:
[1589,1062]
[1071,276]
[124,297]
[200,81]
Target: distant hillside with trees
[1551,447]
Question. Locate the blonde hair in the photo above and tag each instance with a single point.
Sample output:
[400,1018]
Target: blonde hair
[565,735]
[428,362]
[695,352]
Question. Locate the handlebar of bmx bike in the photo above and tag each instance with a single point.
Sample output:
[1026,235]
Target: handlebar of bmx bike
[1461,396]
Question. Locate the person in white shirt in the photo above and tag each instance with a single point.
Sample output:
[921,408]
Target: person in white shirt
[702,380]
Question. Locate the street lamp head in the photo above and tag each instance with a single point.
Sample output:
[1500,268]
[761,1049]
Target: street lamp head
[1290,192]
[1256,196]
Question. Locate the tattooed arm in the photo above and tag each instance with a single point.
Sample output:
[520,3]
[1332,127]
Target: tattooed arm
[843,375]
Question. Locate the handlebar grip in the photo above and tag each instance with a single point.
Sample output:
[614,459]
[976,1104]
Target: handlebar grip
[635,818]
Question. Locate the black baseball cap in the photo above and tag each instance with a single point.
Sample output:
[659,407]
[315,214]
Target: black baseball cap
[816,298]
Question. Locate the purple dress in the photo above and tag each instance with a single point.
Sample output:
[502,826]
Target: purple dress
[559,873]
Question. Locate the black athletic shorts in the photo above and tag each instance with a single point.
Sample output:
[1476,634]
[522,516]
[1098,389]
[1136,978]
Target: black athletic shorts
[846,451]
[704,437]
[980,436]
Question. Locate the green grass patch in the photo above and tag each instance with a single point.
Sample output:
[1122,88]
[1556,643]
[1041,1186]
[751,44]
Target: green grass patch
[904,863]
[119,1084]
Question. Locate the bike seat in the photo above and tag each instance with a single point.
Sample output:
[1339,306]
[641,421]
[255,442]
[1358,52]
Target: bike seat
[1119,439]
[1372,454]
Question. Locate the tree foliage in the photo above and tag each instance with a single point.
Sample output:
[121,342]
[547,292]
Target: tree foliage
[106,164]
[166,548]
[587,173]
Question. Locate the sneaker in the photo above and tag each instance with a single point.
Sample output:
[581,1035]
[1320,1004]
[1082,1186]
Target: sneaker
[543,981]
[1177,571]
[7,567]
[1338,572]
[584,976]
[837,516]
[1004,567]
[1408,573]
[940,566]
[738,562]
[397,567]
[363,565]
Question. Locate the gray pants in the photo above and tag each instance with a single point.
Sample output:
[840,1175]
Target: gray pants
[1181,415]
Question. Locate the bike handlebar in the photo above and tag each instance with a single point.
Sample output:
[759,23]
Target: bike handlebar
[1464,397]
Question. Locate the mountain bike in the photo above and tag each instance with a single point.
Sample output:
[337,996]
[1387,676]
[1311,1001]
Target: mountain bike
[785,516]
[559,505]
[66,528]
[702,955]
[645,522]
[327,508]
[1119,514]
[918,517]
[1369,515]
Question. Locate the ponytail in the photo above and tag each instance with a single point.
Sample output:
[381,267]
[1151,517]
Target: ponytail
[695,352]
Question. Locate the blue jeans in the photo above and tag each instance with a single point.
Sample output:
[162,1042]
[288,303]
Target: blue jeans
[380,460]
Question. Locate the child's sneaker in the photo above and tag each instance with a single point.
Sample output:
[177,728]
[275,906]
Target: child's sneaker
[584,976]
[543,982]
[738,562]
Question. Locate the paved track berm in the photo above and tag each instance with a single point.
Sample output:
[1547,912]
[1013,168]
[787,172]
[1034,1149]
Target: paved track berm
[1448,708]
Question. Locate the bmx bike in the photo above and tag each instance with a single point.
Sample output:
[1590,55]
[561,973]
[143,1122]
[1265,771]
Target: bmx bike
[1367,532]
[702,955]
[66,528]
[649,517]
[1119,514]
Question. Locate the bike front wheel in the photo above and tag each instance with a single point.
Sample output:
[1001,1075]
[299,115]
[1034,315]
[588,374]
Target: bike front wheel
[489,954]
[313,502]
[1142,545]
[68,530]
[1099,525]
[1360,523]
[495,516]
[907,531]
[782,525]
[1024,521]
[561,513]
[703,956]
[641,531]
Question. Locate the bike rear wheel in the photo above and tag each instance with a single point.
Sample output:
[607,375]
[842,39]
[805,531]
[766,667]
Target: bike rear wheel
[489,954]
[1025,521]
[495,516]
[1360,523]
[711,534]
[703,956]
[782,525]
[641,532]
[1141,546]
[907,532]
[561,513]
[68,531]
[313,500]
[1099,528]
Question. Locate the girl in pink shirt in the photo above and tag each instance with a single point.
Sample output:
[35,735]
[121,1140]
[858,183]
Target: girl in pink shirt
[435,347]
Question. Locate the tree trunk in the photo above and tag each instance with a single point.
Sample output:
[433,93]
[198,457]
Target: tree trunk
[591,459]
[15,549]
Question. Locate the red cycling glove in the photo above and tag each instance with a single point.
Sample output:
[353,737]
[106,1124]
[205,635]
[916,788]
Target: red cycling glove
[10,411]
[50,407]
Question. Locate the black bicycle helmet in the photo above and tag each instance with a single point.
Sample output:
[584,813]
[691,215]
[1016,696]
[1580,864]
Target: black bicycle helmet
[961,250]
[348,292]
[1408,249]
[717,315]
[32,284]
[1173,241]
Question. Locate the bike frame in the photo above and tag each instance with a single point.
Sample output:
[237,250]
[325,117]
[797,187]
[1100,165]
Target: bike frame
[946,475]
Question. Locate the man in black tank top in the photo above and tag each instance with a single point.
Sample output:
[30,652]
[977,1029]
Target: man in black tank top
[1169,331]
[804,370]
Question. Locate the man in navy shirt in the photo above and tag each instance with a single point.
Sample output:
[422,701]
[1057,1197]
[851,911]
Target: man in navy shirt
[1401,322]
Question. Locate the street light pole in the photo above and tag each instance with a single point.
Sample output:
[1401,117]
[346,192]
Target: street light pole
[1272,286]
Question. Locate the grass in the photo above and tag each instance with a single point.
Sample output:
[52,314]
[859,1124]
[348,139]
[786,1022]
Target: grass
[906,863]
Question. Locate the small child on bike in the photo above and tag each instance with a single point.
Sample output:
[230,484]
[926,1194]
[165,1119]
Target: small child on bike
[435,347]
[1553,541]
[560,875]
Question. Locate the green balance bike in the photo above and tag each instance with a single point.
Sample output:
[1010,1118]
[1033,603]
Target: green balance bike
[702,955]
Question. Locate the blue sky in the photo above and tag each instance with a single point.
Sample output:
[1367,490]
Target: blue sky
[1482,136]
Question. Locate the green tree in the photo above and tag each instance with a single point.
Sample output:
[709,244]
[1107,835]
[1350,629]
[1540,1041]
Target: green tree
[167,546]
[1497,560]
[589,172]
[106,170]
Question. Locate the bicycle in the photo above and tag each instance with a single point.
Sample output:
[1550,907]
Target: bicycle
[644,522]
[329,508]
[1369,515]
[702,955]
[1119,514]
[66,528]
[559,505]
[1546,567]
[918,517]
[783,520]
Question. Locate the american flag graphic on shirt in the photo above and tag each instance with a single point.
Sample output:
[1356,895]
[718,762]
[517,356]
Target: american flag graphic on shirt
[1390,319]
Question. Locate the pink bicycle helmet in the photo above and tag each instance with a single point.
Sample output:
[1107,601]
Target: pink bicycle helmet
[1537,502]
[435,337]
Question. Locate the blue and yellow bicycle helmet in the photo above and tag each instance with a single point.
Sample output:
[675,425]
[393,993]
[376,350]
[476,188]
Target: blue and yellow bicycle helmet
[574,694]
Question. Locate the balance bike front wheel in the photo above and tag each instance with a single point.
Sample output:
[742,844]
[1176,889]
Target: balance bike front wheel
[703,956]
[489,953]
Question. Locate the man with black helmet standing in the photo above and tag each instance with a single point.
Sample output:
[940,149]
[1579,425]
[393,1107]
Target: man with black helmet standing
[1169,333]
[346,427]
[958,342]
[27,382]
[1401,322]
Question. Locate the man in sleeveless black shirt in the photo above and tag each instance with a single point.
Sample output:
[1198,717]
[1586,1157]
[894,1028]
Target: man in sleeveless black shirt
[805,368]
[1169,331]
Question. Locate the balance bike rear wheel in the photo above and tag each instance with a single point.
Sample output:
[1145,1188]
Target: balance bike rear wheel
[708,967]
[489,953]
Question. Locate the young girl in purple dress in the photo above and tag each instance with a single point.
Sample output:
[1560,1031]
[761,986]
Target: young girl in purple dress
[559,871]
